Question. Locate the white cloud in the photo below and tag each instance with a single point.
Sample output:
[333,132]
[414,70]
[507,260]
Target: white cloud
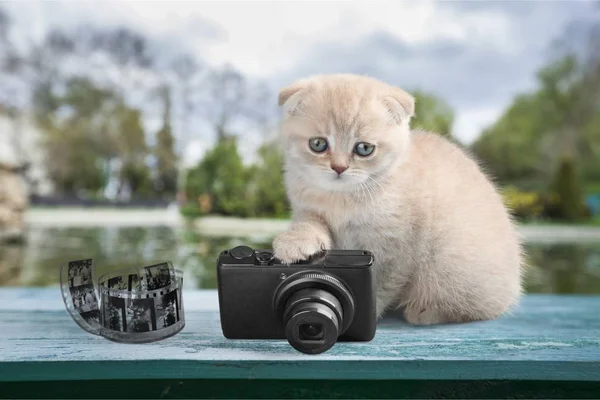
[266,39]
[261,38]
[194,152]
[469,124]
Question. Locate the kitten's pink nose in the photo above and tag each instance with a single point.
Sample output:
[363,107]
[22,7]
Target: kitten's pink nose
[339,168]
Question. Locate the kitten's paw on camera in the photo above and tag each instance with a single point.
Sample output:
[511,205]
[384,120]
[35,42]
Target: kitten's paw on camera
[299,244]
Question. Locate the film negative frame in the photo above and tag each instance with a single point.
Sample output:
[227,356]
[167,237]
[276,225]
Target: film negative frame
[133,305]
[70,281]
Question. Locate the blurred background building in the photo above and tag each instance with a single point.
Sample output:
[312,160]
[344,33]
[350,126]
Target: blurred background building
[159,121]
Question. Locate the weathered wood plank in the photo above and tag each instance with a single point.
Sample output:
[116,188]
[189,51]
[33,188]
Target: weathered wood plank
[550,338]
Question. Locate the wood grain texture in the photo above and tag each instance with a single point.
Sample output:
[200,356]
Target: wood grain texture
[547,338]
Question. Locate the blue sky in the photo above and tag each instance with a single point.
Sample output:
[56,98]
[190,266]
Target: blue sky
[475,54]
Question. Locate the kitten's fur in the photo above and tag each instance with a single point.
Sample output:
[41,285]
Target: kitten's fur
[445,247]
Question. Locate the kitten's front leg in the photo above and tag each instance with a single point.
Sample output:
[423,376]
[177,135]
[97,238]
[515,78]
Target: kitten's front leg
[308,235]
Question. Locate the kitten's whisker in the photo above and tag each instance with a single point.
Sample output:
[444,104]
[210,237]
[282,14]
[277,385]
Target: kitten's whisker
[379,184]
[372,194]
[367,190]
[363,189]
[360,186]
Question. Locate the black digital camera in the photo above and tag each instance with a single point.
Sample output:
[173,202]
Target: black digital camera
[313,303]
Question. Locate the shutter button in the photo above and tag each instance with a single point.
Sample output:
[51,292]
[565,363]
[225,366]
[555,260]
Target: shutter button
[265,256]
[241,252]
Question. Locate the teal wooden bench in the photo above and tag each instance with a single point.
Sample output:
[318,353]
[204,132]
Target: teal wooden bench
[548,348]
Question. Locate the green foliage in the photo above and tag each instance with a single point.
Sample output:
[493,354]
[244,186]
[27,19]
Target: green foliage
[591,149]
[524,205]
[75,140]
[128,140]
[221,176]
[221,184]
[77,172]
[128,143]
[560,118]
[139,179]
[536,129]
[550,136]
[432,114]
[267,179]
[510,148]
[84,129]
[571,206]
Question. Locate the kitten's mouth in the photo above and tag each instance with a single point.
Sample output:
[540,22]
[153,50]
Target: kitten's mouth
[341,179]
[334,182]
[339,183]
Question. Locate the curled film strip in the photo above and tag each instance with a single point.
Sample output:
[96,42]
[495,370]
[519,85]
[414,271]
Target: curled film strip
[132,305]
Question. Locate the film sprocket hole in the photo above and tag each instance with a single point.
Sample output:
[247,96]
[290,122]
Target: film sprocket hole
[313,303]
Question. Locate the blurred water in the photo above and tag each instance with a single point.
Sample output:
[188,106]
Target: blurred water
[552,268]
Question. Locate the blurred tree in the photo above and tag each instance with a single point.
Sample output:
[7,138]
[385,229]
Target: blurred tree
[567,185]
[510,147]
[166,159]
[126,46]
[74,167]
[86,113]
[129,51]
[228,93]
[85,128]
[560,120]
[186,69]
[221,176]
[589,163]
[128,144]
[266,182]
[67,86]
[75,140]
[49,61]
[432,114]
[232,189]
[569,107]
[231,101]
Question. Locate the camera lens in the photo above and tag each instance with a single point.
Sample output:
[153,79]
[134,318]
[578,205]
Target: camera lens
[315,308]
[311,332]
[312,320]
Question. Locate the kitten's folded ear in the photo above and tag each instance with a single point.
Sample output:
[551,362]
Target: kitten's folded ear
[290,96]
[400,105]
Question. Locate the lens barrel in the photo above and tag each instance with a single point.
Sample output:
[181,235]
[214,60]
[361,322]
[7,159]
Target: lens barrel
[312,320]
[315,309]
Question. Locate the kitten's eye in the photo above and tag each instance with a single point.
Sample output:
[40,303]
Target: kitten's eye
[318,145]
[364,149]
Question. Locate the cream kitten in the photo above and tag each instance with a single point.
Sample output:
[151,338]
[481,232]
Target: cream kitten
[357,178]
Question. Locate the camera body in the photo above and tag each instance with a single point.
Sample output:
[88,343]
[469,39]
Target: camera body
[312,303]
